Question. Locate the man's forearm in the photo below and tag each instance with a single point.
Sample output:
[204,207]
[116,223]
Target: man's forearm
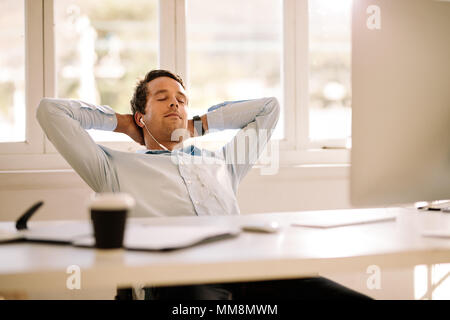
[238,114]
[65,123]
[88,115]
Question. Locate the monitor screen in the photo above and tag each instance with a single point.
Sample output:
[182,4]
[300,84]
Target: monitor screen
[401,101]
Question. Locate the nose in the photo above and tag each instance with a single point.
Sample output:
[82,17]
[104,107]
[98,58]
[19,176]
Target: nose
[174,103]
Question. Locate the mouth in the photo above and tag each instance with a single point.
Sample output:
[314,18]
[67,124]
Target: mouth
[172,115]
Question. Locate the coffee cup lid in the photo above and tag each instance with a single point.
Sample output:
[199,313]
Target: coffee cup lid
[111,201]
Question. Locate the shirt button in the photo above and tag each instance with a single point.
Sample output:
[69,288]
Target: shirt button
[196,202]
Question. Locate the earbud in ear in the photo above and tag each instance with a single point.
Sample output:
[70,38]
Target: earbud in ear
[142,121]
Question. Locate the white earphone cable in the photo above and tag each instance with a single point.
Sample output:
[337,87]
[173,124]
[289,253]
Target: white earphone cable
[154,137]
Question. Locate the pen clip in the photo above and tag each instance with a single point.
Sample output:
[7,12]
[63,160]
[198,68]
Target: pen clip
[21,223]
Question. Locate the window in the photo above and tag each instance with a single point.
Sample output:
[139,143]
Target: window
[432,282]
[234,52]
[12,71]
[295,50]
[102,48]
[329,69]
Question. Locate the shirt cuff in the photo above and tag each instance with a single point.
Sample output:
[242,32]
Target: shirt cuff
[105,117]
[109,122]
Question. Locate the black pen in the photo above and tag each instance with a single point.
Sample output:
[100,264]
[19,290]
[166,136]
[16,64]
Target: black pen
[21,224]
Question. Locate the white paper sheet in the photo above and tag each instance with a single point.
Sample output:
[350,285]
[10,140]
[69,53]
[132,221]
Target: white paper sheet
[445,233]
[331,219]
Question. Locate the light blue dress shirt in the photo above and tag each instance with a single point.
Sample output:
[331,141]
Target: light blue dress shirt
[185,181]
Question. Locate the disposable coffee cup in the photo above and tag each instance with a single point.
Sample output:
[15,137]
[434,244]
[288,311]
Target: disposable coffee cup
[109,213]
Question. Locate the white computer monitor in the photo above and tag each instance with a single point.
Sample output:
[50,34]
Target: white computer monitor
[401,102]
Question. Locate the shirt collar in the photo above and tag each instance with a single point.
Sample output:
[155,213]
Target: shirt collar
[191,150]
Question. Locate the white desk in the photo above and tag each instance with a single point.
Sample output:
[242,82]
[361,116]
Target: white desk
[294,252]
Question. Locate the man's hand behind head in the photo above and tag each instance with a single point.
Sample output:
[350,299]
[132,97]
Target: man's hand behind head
[127,125]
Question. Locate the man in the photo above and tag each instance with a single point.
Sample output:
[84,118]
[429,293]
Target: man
[163,179]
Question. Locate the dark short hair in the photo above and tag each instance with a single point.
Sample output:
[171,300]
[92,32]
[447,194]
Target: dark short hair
[140,95]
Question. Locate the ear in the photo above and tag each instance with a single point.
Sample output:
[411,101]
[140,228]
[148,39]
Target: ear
[137,117]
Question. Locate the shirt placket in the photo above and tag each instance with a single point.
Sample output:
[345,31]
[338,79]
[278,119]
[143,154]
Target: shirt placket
[192,183]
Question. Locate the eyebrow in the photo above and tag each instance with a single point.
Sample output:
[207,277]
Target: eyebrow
[165,91]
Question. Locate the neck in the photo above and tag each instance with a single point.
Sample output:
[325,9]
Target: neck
[151,144]
[160,142]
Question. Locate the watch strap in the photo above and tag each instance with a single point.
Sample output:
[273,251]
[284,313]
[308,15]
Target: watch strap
[198,125]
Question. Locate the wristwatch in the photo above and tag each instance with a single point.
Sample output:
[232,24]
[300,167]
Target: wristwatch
[198,125]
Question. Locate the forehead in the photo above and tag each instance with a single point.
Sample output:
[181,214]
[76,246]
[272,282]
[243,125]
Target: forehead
[164,83]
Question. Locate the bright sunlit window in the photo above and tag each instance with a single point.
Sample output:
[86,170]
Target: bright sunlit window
[234,52]
[12,71]
[102,48]
[432,282]
[225,50]
[329,69]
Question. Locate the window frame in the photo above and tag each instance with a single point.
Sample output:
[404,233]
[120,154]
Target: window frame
[37,152]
